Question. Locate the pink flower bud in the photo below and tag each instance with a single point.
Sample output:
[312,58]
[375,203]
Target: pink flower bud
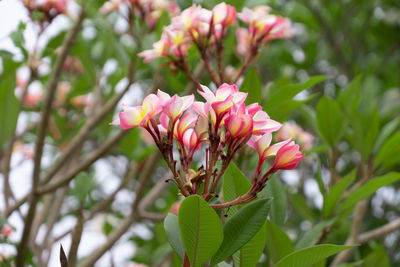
[6,230]
[224,14]
[239,125]
[139,115]
[287,157]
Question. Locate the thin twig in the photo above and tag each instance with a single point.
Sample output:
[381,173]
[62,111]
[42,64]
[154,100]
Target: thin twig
[51,90]
[116,234]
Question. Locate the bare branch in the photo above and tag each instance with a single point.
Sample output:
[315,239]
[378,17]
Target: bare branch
[115,235]
[379,232]
[42,129]
[83,164]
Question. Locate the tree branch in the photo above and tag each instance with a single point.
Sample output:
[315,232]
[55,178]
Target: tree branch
[51,90]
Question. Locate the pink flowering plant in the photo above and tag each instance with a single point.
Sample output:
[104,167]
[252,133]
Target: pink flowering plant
[198,133]
[216,129]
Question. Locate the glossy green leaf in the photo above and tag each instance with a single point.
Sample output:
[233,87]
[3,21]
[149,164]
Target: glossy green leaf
[276,192]
[252,86]
[308,256]
[234,185]
[278,243]
[171,226]
[201,229]
[250,253]
[368,189]
[389,154]
[330,120]
[8,102]
[332,198]
[241,228]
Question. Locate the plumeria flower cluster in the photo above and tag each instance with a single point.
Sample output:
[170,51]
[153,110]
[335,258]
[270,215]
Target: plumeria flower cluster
[218,128]
[206,30]
[149,10]
[45,10]
[262,28]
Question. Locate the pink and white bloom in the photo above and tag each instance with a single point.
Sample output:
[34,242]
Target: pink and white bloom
[263,123]
[262,144]
[139,115]
[6,230]
[224,14]
[223,99]
[287,157]
[239,125]
[174,106]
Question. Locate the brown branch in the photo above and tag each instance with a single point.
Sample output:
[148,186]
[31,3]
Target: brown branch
[80,137]
[359,213]
[76,238]
[115,235]
[51,90]
[379,232]
[83,164]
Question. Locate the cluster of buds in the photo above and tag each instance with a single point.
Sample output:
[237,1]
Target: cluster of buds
[295,132]
[206,29]
[47,9]
[218,128]
[262,28]
[149,10]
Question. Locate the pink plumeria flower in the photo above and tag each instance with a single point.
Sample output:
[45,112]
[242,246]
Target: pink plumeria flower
[287,157]
[6,230]
[244,39]
[139,115]
[187,121]
[239,125]
[191,139]
[174,106]
[263,123]
[262,144]
[224,98]
[224,14]
[160,49]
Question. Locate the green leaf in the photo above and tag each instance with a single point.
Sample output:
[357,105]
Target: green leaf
[8,102]
[83,185]
[241,228]
[350,97]
[284,90]
[309,256]
[300,205]
[311,236]
[332,198]
[234,185]
[252,86]
[330,120]
[250,253]
[171,226]
[368,189]
[201,229]
[378,257]
[276,192]
[385,133]
[389,154]
[278,243]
